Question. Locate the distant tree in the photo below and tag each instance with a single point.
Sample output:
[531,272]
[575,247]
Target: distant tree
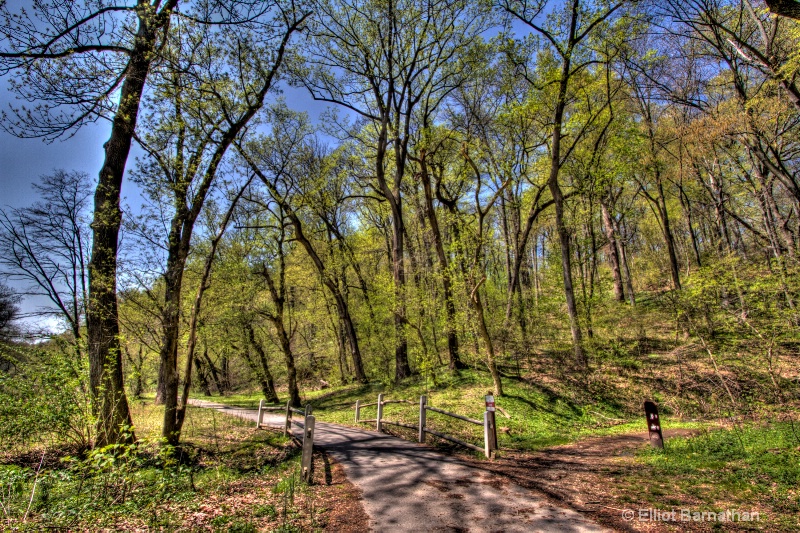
[283,162]
[9,311]
[567,33]
[47,246]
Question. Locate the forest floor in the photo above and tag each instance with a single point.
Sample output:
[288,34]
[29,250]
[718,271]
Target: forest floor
[230,478]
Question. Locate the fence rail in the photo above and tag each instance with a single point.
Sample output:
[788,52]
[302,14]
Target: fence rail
[454,439]
[488,422]
[454,415]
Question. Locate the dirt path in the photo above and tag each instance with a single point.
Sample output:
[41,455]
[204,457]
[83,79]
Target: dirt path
[581,474]
[411,487]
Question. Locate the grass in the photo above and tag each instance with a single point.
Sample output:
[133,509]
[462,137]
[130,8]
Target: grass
[755,467]
[230,478]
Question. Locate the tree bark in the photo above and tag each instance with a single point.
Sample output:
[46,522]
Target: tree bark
[487,340]
[558,200]
[218,381]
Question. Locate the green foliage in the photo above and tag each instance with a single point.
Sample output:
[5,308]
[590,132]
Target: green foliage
[44,396]
[107,483]
[152,485]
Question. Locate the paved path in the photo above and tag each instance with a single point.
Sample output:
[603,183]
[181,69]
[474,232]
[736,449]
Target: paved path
[410,487]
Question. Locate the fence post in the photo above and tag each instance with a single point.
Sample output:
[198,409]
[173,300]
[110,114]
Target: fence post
[308,448]
[260,413]
[287,428]
[380,412]
[489,429]
[358,410]
[423,401]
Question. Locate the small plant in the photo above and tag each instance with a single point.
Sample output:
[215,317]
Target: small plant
[242,526]
[268,511]
[287,486]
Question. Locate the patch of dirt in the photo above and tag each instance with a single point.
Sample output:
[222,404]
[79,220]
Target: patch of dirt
[581,475]
[447,486]
[342,498]
[49,458]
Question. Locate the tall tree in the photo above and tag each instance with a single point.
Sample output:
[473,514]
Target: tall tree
[283,161]
[74,61]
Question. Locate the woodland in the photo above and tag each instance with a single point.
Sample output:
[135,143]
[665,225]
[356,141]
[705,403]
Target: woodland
[599,198]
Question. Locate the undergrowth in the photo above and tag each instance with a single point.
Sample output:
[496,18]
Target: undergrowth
[225,477]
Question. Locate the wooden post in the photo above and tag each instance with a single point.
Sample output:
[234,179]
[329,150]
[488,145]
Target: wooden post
[653,425]
[358,410]
[489,428]
[308,448]
[380,413]
[287,428]
[423,400]
[260,418]
[489,435]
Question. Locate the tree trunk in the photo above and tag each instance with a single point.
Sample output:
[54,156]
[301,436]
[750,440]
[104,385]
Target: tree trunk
[261,367]
[561,227]
[612,252]
[455,362]
[109,403]
[669,238]
[687,208]
[487,340]
[402,369]
[202,377]
[628,278]
[218,382]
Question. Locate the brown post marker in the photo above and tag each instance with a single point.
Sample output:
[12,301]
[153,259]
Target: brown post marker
[308,448]
[653,425]
[380,413]
[287,428]
[423,401]
[489,428]
[358,410]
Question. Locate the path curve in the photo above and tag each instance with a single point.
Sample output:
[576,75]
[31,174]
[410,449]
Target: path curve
[407,486]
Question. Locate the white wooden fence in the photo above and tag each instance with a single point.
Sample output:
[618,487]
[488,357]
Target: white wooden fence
[308,430]
[488,423]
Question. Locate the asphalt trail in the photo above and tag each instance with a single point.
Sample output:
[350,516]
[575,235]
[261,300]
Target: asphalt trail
[411,487]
